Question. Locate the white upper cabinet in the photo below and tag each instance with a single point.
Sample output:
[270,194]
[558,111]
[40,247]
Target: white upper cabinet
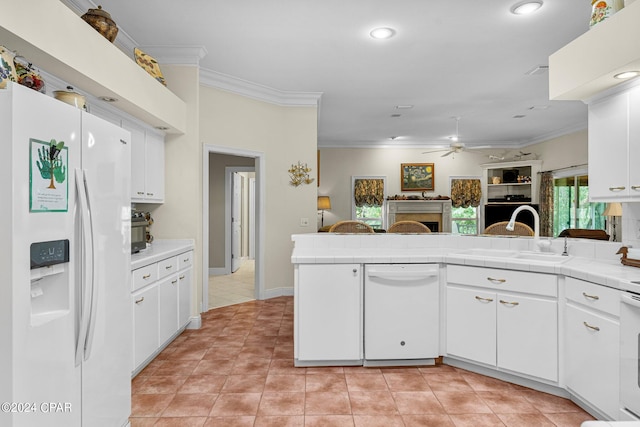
[614,146]
[147,165]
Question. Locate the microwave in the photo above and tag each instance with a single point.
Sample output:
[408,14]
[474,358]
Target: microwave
[138,234]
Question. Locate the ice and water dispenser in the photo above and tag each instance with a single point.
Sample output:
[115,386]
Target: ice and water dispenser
[50,278]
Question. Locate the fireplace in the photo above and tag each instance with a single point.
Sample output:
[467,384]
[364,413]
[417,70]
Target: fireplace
[435,214]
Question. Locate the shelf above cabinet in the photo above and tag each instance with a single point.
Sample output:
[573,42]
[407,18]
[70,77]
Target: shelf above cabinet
[58,41]
[586,66]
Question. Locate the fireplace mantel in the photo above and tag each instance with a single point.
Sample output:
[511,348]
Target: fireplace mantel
[420,210]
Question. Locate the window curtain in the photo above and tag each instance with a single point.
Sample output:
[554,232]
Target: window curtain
[465,193]
[368,192]
[546,204]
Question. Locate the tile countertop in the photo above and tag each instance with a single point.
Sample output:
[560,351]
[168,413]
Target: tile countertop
[160,249]
[590,260]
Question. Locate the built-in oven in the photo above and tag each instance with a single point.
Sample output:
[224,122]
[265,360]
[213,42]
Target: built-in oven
[630,355]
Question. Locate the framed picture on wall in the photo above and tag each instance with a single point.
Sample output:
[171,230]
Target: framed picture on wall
[416,176]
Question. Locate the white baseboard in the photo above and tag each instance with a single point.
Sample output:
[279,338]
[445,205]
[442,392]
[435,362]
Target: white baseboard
[218,271]
[195,322]
[276,292]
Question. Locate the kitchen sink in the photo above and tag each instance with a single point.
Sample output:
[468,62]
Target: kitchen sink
[535,257]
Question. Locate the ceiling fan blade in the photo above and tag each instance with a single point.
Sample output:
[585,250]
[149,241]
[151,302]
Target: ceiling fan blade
[448,154]
[434,151]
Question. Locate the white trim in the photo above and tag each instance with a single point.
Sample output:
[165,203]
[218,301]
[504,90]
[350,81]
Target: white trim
[195,322]
[260,230]
[571,171]
[278,292]
[217,271]
[257,91]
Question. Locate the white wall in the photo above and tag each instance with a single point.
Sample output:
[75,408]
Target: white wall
[337,165]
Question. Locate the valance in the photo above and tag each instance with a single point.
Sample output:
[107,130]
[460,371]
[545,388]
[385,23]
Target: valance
[465,193]
[368,192]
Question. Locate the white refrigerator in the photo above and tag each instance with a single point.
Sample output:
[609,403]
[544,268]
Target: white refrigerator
[65,310]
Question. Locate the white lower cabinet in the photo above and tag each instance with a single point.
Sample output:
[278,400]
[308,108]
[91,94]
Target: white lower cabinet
[161,302]
[490,320]
[145,324]
[471,324]
[328,313]
[592,345]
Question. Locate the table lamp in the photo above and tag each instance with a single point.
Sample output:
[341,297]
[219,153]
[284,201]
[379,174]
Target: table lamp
[612,211]
[324,203]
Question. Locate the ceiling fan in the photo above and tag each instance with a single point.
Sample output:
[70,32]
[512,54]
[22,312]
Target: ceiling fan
[455,147]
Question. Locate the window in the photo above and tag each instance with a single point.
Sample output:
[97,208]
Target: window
[465,198]
[464,220]
[367,203]
[571,206]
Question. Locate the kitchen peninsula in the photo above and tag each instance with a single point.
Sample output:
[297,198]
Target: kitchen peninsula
[497,306]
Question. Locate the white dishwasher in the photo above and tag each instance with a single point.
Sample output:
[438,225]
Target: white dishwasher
[401,315]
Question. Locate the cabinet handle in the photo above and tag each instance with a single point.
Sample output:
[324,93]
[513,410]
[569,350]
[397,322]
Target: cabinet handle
[355,270]
[594,297]
[484,299]
[635,187]
[491,279]
[140,193]
[146,276]
[512,303]
[151,194]
[168,267]
[595,328]
[617,188]
[181,277]
[140,300]
[173,282]
[185,260]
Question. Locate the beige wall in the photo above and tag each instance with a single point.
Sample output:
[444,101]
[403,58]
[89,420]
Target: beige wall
[337,165]
[285,135]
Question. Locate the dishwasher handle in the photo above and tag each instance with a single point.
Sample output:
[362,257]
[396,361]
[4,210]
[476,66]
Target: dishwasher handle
[402,275]
[631,300]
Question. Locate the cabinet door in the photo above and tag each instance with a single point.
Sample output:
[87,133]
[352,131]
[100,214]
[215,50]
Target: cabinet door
[137,161]
[608,164]
[471,324]
[184,297]
[168,322]
[528,335]
[154,168]
[145,324]
[329,312]
[634,142]
[592,358]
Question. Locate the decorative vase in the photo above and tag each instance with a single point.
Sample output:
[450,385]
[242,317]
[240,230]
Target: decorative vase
[7,67]
[603,9]
[102,22]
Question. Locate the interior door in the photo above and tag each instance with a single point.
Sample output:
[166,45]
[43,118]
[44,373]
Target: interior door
[236,221]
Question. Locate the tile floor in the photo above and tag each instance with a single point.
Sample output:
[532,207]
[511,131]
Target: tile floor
[237,370]
[233,288]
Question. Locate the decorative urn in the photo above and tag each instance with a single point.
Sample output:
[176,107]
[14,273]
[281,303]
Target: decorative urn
[102,22]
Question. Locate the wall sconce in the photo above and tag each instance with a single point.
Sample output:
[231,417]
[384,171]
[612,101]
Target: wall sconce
[299,174]
[324,203]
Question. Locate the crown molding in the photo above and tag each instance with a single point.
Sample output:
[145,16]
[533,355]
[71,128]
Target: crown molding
[257,91]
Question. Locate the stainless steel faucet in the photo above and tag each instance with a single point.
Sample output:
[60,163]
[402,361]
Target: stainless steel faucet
[565,253]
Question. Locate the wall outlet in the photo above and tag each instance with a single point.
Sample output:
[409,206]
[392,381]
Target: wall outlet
[304,222]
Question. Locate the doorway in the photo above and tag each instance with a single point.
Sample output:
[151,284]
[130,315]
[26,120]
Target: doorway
[220,164]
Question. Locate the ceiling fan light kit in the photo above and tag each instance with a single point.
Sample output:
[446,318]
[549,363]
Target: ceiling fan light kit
[526,7]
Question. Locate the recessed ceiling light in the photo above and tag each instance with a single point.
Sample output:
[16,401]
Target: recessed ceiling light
[404,107]
[162,127]
[382,33]
[396,115]
[526,7]
[519,116]
[627,75]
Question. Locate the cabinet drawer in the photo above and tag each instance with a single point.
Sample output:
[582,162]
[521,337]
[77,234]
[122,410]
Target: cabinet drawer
[144,276]
[185,260]
[504,280]
[167,267]
[593,296]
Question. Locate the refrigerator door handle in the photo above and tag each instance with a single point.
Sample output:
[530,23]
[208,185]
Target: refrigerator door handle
[94,279]
[85,285]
